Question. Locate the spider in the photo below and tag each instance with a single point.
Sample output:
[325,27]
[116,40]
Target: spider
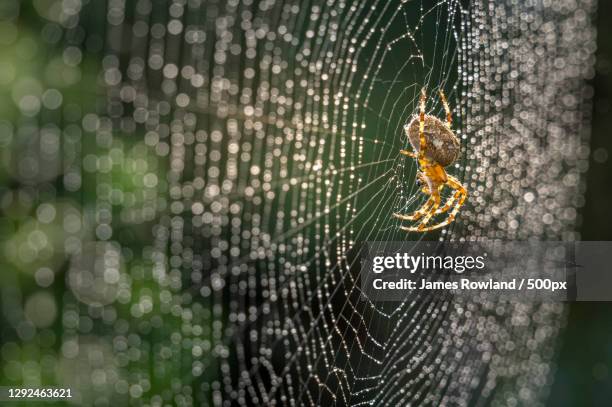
[436,147]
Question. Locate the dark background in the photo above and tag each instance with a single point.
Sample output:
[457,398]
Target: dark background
[584,375]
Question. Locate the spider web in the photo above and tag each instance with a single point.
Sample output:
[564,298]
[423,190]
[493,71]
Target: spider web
[274,129]
[282,138]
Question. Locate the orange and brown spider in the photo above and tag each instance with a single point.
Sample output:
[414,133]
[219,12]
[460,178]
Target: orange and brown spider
[436,147]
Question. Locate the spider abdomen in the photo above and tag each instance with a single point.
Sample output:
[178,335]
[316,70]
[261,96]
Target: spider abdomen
[442,146]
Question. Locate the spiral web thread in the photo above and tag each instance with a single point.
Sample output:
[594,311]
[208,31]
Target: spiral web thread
[263,138]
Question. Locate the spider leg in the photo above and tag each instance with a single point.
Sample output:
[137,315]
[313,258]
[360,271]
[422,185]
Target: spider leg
[418,214]
[409,153]
[421,227]
[422,141]
[449,116]
[455,184]
[449,203]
